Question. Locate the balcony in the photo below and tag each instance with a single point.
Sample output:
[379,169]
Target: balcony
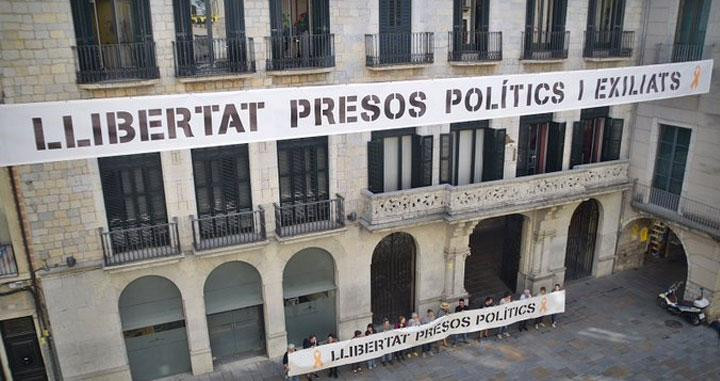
[667,53]
[387,49]
[474,47]
[123,246]
[8,266]
[545,46]
[311,217]
[675,208]
[298,52]
[214,56]
[608,44]
[230,229]
[116,62]
[453,203]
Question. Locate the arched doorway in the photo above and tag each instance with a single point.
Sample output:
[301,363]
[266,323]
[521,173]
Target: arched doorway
[392,277]
[309,293]
[651,246]
[234,309]
[153,324]
[582,233]
[494,261]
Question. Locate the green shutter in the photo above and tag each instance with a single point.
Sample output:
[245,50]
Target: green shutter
[482,15]
[183,38]
[276,22]
[321,16]
[559,15]
[493,154]
[556,144]
[576,146]
[422,161]
[236,42]
[376,174]
[612,138]
[88,57]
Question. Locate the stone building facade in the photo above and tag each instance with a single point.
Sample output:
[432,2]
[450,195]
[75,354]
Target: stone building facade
[441,228]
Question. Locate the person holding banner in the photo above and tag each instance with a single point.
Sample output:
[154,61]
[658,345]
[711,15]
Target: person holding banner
[444,310]
[369,331]
[428,348]
[356,368]
[463,336]
[333,372]
[489,302]
[286,369]
[388,357]
[401,323]
[414,322]
[522,326]
[539,320]
[553,317]
[504,329]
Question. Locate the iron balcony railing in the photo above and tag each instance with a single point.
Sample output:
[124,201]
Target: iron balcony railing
[211,232]
[8,266]
[116,62]
[676,208]
[310,217]
[212,56]
[304,51]
[544,45]
[667,53]
[399,49]
[121,246]
[474,46]
[608,43]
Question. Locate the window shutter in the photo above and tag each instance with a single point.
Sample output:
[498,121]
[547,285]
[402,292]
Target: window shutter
[82,13]
[446,145]
[321,16]
[235,29]
[482,15]
[183,37]
[405,16]
[612,139]
[457,15]
[576,147]
[375,166]
[529,27]
[619,16]
[422,161]
[276,22]
[522,150]
[592,5]
[559,14]
[699,38]
[143,23]
[493,154]
[556,143]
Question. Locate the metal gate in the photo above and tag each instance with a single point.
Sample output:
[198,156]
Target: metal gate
[23,351]
[392,277]
[581,241]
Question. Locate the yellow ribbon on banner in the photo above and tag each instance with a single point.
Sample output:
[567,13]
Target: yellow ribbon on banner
[543,305]
[318,360]
[696,78]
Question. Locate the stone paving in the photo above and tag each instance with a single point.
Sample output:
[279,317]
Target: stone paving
[613,330]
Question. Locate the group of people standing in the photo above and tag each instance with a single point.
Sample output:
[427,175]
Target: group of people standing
[428,349]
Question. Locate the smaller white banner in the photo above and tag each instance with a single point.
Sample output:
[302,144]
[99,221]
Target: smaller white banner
[374,346]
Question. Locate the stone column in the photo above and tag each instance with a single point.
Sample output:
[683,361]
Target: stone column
[197,331]
[274,310]
[546,240]
[456,251]
[607,233]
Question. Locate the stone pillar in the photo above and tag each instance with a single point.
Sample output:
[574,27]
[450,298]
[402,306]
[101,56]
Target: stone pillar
[456,251]
[197,331]
[607,233]
[274,310]
[179,192]
[546,240]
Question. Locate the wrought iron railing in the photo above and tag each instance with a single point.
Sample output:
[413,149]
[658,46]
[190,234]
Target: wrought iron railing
[608,43]
[303,218]
[8,266]
[116,62]
[399,49]
[121,246]
[676,208]
[304,51]
[666,53]
[211,56]
[474,46]
[211,232]
[544,45]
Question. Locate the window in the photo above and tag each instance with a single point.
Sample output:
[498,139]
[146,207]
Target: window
[670,161]
[399,159]
[545,26]
[540,145]
[303,170]
[114,40]
[133,191]
[470,35]
[690,30]
[222,180]
[300,34]
[7,258]
[606,15]
[596,137]
[473,152]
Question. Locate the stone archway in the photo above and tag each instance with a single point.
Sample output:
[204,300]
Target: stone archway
[392,277]
[582,234]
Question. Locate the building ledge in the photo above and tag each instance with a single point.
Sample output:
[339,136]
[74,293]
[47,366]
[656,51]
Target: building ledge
[676,219]
[399,67]
[233,249]
[119,84]
[474,63]
[607,59]
[310,236]
[303,71]
[215,77]
[540,61]
[144,264]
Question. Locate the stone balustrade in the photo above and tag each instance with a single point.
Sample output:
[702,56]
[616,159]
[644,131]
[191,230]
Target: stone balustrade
[512,195]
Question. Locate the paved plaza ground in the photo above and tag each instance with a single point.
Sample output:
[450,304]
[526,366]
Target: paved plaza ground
[613,329]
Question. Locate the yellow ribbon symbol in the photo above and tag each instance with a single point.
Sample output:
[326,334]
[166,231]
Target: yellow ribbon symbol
[318,360]
[696,78]
[543,305]
[644,234]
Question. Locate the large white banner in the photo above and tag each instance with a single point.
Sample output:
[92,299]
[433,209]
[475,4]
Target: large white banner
[374,346]
[41,132]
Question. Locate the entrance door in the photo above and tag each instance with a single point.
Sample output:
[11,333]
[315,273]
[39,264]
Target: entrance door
[392,277]
[670,166]
[581,241]
[309,293]
[234,308]
[395,29]
[23,351]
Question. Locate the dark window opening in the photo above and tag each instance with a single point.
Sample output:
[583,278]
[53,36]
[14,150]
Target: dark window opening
[596,137]
[690,31]
[399,159]
[540,145]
